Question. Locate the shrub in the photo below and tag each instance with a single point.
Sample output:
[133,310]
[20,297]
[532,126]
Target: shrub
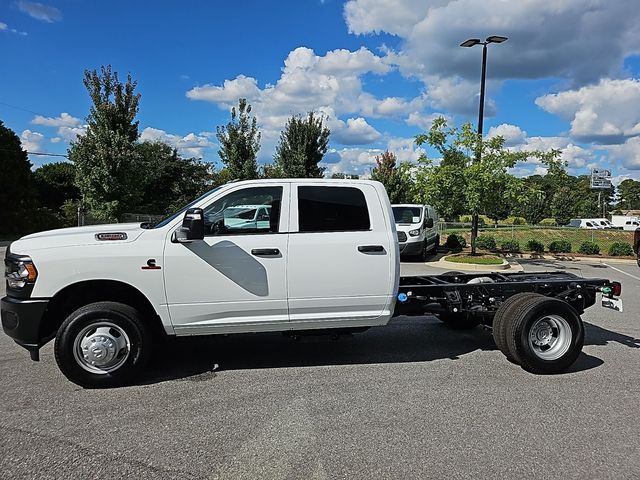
[535,246]
[621,249]
[455,242]
[513,221]
[482,220]
[548,221]
[510,246]
[560,246]
[486,242]
[589,248]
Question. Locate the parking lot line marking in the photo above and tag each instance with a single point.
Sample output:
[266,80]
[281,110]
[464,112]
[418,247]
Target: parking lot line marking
[622,271]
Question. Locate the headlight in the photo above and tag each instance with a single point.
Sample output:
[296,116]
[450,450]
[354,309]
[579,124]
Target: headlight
[19,272]
[414,233]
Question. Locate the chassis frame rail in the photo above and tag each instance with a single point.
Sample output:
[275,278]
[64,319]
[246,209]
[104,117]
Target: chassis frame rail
[481,294]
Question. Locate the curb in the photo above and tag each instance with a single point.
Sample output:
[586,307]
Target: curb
[513,266]
[572,258]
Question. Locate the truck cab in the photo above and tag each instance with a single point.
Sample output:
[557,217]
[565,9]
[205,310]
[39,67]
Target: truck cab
[251,256]
[417,227]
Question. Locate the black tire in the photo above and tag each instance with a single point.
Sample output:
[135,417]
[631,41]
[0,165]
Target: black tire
[502,318]
[459,321]
[422,256]
[130,361]
[529,312]
[434,249]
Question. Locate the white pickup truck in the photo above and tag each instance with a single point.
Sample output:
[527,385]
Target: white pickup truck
[324,255]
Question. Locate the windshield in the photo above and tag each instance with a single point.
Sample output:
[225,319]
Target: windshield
[407,214]
[167,220]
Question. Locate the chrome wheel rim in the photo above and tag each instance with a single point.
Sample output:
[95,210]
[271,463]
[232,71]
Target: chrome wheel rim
[550,337]
[101,347]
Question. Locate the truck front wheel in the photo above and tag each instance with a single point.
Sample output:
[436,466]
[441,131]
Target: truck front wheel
[103,344]
[545,335]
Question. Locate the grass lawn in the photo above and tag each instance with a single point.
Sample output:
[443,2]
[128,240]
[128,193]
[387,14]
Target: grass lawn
[475,260]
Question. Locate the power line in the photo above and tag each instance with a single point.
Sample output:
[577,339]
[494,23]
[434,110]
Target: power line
[46,154]
[20,108]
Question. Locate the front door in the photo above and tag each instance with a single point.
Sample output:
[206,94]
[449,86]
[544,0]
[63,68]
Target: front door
[234,279]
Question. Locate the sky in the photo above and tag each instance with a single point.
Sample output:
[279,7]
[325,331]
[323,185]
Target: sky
[379,71]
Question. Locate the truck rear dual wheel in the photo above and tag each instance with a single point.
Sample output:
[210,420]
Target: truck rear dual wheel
[544,335]
[502,318]
[103,344]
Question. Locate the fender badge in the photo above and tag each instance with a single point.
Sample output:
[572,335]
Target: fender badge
[151,265]
[111,236]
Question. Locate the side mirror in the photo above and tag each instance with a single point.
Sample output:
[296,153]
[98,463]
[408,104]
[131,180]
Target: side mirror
[429,223]
[192,226]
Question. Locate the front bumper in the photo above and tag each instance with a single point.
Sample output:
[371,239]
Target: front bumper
[22,321]
[411,248]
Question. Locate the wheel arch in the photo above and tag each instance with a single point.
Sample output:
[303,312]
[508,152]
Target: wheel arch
[76,295]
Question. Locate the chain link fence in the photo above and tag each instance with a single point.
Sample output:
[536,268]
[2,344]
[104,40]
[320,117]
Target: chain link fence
[542,233]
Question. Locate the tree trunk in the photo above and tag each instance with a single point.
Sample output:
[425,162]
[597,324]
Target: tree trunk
[474,232]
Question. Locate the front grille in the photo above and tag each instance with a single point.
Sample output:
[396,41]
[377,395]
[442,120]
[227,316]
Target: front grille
[402,237]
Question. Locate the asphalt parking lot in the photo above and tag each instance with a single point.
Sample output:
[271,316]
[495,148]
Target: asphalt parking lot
[410,400]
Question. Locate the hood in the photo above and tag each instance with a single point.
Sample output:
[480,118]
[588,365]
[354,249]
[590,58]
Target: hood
[405,227]
[73,236]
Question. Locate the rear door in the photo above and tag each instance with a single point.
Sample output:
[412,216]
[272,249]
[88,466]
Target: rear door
[340,261]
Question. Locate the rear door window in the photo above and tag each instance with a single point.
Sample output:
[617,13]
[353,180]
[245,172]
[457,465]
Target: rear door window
[332,209]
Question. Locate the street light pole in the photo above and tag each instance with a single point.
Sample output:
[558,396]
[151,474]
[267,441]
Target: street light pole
[470,43]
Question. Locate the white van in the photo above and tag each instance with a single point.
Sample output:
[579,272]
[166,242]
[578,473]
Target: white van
[585,223]
[602,222]
[417,227]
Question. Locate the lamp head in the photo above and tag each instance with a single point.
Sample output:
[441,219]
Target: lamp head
[470,43]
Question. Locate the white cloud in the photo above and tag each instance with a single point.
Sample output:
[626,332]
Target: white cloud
[69,134]
[361,161]
[39,11]
[55,140]
[228,93]
[576,156]
[546,39]
[5,28]
[68,127]
[560,39]
[64,120]
[424,121]
[627,153]
[512,134]
[31,141]
[190,145]
[356,131]
[329,84]
[603,113]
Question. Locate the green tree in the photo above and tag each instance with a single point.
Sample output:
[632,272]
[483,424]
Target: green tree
[396,179]
[303,143]
[16,182]
[533,205]
[170,181]
[105,157]
[342,176]
[563,205]
[629,195]
[240,143]
[473,167]
[54,184]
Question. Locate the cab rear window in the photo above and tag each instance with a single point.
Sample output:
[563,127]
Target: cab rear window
[332,209]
